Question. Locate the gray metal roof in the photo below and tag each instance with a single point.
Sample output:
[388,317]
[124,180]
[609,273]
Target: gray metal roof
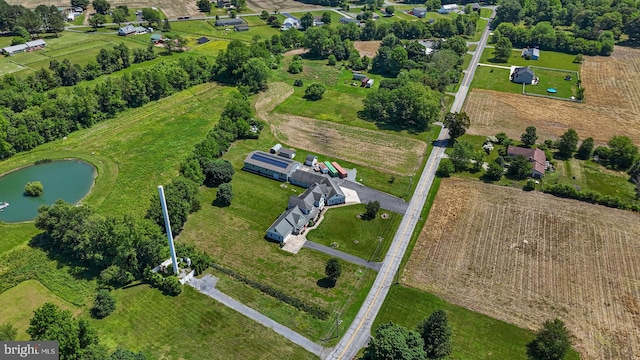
[287,151]
[225,22]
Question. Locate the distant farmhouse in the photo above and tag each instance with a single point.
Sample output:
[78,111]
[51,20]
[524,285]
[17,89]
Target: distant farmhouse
[133,30]
[535,156]
[419,12]
[241,27]
[446,9]
[291,22]
[28,46]
[523,75]
[531,53]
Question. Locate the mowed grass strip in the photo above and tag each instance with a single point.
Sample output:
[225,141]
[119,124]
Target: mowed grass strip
[474,336]
[15,234]
[362,238]
[497,79]
[548,59]
[19,303]
[189,326]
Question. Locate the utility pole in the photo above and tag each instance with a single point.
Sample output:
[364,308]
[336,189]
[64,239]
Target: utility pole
[338,321]
[377,248]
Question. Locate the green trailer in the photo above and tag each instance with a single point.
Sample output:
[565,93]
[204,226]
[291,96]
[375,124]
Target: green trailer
[332,170]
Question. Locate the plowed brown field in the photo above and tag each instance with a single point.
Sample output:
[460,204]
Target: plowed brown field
[526,257]
[612,107]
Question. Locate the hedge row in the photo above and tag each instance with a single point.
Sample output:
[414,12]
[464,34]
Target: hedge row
[568,191]
[314,310]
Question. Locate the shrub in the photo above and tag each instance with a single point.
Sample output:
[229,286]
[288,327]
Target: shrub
[529,185]
[333,269]
[446,168]
[298,82]
[372,209]
[332,60]
[297,57]
[295,67]
[501,138]
[315,91]
[494,172]
[103,305]
[172,286]
[224,195]
[34,189]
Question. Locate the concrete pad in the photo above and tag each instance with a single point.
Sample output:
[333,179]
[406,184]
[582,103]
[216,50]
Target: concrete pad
[351,196]
[293,243]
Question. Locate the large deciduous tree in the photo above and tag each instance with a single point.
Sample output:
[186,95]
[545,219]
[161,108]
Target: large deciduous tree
[314,91]
[306,21]
[457,124]
[101,6]
[224,196]
[622,153]
[394,342]
[461,155]
[502,50]
[520,167]
[217,172]
[586,149]
[529,136]
[204,5]
[568,143]
[333,269]
[436,333]
[118,15]
[552,342]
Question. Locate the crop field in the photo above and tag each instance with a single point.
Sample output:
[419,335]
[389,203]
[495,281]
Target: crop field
[172,9]
[611,104]
[390,153]
[367,48]
[525,257]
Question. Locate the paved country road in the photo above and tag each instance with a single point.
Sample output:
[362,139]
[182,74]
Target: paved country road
[359,331]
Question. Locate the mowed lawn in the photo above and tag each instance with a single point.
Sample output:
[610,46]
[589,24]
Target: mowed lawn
[554,79]
[362,238]
[497,79]
[188,326]
[19,302]
[474,336]
[549,59]
[15,234]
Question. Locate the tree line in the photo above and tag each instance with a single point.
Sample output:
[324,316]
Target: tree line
[17,19]
[28,119]
[587,27]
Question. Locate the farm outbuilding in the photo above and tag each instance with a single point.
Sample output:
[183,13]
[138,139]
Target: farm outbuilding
[531,53]
[157,38]
[28,46]
[323,168]
[241,27]
[348,20]
[311,160]
[445,9]
[269,165]
[332,170]
[203,40]
[275,148]
[229,22]
[287,153]
[359,76]
[419,12]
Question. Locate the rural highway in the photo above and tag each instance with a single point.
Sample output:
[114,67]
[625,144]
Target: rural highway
[358,333]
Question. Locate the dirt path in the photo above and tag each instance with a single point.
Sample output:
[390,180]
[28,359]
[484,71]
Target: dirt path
[379,150]
[87,15]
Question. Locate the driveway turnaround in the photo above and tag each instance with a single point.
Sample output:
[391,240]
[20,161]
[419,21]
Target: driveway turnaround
[207,286]
[342,255]
[366,194]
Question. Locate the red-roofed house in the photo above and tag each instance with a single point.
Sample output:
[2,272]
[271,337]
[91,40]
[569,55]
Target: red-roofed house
[535,156]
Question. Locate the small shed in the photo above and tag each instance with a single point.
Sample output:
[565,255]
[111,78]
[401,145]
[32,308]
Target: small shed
[369,83]
[323,168]
[156,38]
[419,12]
[364,81]
[287,153]
[531,53]
[275,148]
[311,160]
[241,27]
[203,40]
[359,76]
[347,20]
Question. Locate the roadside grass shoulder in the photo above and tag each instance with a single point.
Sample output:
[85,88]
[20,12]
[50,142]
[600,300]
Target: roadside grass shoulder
[480,25]
[548,59]
[497,79]
[367,239]
[485,13]
[188,326]
[19,302]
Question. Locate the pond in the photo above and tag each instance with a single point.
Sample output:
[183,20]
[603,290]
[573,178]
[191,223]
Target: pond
[69,180]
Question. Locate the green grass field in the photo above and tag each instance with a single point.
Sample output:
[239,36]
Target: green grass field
[475,336]
[549,59]
[485,13]
[189,326]
[341,225]
[490,78]
[554,79]
[16,234]
[19,302]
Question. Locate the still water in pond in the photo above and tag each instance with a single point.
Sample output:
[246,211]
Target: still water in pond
[69,180]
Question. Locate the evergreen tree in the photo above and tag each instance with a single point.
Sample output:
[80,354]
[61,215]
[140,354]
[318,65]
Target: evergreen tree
[436,333]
